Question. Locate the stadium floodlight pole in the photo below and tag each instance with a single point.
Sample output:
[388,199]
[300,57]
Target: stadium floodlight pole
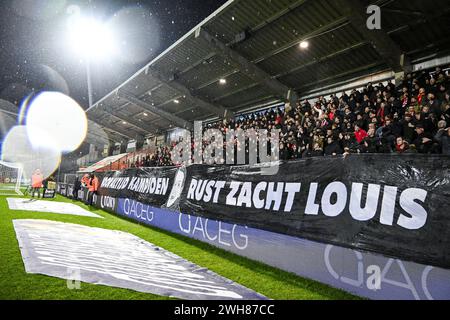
[89,83]
[92,39]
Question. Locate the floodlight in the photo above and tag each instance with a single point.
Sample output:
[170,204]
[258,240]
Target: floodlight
[91,38]
[304,44]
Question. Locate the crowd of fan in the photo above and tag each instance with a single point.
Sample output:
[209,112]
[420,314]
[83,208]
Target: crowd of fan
[411,118]
[160,158]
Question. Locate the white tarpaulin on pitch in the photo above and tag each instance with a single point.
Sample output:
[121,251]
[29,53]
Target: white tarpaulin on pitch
[49,206]
[118,259]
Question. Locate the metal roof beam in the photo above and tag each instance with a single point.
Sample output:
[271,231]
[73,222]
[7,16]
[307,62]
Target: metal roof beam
[96,130]
[415,22]
[122,136]
[8,107]
[344,74]
[248,68]
[229,94]
[155,121]
[117,138]
[323,58]
[129,120]
[175,113]
[252,102]
[14,114]
[278,15]
[111,127]
[97,141]
[208,106]
[334,25]
[123,106]
[380,40]
[105,139]
[405,12]
[151,131]
[179,122]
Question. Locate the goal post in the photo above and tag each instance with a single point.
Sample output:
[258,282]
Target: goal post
[11,179]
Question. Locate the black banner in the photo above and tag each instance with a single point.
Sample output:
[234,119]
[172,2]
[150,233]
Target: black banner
[49,194]
[147,185]
[394,205]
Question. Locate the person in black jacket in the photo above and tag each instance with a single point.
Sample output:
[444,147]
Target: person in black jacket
[284,152]
[408,128]
[349,142]
[443,137]
[433,105]
[76,188]
[295,152]
[387,134]
[45,186]
[317,151]
[423,141]
[371,143]
[333,148]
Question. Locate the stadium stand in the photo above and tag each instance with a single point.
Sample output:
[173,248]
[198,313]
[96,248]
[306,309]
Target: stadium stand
[231,63]
[413,117]
[147,157]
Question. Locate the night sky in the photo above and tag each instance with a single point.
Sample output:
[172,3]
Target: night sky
[35,53]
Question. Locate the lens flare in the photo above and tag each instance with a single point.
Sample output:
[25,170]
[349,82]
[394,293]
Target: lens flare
[59,116]
[18,149]
[137,34]
[6,123]
[8,117]
[15,92]
[23,109]
[54,81]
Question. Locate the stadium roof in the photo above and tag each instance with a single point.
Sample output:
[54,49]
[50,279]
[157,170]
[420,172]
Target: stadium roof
[247,53]
[102,163]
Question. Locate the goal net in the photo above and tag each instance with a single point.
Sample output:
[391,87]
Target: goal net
[69,178]
[10,179]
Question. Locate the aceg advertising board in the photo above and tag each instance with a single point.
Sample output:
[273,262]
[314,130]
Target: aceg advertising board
[365,274]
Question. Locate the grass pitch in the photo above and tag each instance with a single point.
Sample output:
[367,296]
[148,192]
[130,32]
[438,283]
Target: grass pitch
[15,283]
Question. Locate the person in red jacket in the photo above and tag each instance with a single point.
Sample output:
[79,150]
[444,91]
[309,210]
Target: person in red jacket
[94,185]
[36,183]
[401,145]
[360,134]
[421,97]
[85,180]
